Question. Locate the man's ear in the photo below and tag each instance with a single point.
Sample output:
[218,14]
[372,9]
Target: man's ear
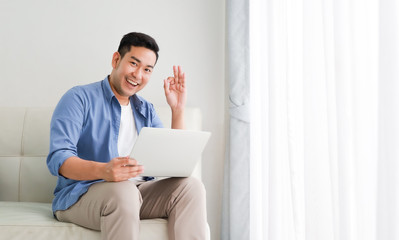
[116,58]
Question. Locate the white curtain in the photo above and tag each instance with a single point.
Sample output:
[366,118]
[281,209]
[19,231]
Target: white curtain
[236,201]
[323,149]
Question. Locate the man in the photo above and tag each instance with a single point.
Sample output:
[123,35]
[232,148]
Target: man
[93,130]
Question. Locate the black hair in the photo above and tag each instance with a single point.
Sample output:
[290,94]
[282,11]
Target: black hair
[138,40]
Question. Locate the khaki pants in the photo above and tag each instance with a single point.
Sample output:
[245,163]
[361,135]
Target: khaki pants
[115,208]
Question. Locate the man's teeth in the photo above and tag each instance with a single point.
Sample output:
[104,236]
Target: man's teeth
[133,83]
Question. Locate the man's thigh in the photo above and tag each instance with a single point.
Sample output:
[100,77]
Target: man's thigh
[100,199]
[159,197]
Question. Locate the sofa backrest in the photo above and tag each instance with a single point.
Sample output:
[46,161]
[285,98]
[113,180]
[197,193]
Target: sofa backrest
[24,145]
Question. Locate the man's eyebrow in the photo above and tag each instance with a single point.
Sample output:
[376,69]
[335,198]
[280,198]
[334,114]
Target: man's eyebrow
[139,61]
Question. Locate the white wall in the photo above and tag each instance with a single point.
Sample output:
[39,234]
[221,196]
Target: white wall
[48,46]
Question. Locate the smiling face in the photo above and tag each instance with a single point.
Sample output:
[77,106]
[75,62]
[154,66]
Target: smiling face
[131,73]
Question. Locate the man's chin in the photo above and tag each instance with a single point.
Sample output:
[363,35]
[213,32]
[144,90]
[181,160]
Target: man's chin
[130,93]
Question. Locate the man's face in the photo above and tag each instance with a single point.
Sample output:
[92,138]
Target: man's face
[131,73]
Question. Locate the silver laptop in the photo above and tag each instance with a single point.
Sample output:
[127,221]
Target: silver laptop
[169,152]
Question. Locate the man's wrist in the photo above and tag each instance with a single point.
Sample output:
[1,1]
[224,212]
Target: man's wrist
[178,119]
[100,170]
[177,111]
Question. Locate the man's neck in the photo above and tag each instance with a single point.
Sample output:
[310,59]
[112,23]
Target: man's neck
[124,101]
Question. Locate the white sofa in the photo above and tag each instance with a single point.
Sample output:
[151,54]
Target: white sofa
[26,186]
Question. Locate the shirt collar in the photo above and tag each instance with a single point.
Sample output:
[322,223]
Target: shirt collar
[138,104]
[108,93]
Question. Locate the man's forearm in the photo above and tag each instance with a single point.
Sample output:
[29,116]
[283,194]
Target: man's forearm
[178,119]
[80,169]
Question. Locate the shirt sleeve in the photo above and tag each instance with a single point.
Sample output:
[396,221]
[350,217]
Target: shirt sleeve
[65,128]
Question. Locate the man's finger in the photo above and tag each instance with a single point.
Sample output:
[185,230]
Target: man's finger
[135,169]
[171,80]
[176,74]
[183,79]
[132,162]
[166,86]
[123,161]
[180,73]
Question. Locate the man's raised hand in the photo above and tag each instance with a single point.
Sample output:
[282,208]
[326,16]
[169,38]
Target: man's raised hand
[175,89]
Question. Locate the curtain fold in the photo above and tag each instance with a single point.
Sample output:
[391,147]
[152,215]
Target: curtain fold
[388,119]
[314,110]
[235,216]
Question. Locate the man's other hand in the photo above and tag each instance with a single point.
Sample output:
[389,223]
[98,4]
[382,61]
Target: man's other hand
[121,169]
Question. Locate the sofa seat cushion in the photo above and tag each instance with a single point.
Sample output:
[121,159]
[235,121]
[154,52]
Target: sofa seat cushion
[30,220]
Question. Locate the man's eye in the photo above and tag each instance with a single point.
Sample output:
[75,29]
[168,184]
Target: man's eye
[148,70]
[134,64]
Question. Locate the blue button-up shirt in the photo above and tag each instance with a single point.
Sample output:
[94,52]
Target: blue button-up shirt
[85,124]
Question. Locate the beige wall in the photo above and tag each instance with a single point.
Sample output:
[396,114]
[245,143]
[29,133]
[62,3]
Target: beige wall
[46,47]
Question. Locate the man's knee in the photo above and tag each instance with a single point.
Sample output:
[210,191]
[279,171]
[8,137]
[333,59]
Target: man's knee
[193,187]
[123,196]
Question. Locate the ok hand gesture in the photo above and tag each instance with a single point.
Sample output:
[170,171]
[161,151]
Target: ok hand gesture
[175,89]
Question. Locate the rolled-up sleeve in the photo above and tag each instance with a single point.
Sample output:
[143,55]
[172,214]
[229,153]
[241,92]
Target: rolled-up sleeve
[65,128]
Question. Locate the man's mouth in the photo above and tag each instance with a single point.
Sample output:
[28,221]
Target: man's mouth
[133,83]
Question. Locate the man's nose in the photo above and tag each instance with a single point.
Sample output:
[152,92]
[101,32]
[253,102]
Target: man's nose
[137,73]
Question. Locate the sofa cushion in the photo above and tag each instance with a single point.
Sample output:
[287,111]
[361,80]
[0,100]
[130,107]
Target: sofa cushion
[36,182]
[11,129]
[9,178]
[36,135]
[27,220]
